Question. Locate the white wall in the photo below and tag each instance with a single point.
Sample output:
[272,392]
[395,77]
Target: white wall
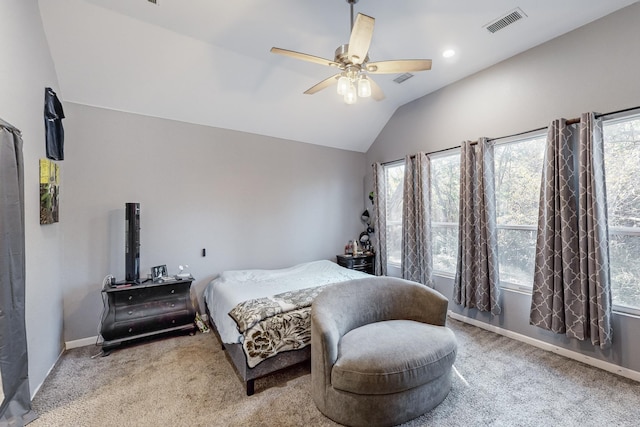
[26,69]
[594,68]
[252,201]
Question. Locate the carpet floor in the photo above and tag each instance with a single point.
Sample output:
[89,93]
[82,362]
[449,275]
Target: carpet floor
[189,381]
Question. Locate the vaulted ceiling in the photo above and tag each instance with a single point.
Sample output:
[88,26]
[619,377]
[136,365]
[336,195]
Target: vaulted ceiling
[208,61]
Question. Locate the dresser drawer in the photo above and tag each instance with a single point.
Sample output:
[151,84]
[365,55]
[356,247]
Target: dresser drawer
[359,262]
[149,309]
[364,263]
[149,324]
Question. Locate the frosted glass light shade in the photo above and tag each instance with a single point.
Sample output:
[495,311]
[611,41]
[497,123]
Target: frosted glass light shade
[350,96]
[364,87]
[343,85]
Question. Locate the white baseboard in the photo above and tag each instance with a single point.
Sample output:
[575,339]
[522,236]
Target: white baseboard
[68,345]
[588,360]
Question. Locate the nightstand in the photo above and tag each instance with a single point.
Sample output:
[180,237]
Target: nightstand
[365,263]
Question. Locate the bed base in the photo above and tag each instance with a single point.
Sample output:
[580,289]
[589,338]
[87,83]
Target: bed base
[264,368]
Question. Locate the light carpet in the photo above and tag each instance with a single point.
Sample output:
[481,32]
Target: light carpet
[188,381]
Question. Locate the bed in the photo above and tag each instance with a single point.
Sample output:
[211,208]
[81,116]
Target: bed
[262,317]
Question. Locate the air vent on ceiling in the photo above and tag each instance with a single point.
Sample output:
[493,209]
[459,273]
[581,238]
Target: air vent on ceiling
[508,19]
[403,78]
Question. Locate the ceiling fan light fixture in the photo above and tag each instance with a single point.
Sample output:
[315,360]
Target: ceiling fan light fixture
[343,85]
[350,96]
[364,87]
[352,59]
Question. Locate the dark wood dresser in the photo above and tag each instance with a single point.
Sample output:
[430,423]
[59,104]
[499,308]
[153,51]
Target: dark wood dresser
[366,263]
[145,310]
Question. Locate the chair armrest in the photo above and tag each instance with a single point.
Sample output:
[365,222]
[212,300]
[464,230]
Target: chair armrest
[325,337]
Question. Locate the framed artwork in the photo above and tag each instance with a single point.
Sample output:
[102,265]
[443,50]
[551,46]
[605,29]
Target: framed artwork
[49,192]
[158,272]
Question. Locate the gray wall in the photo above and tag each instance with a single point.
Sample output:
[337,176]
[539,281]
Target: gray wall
[252,201]
[25,69]
[594,68]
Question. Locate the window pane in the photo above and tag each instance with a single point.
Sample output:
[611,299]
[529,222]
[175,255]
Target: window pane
[394,243]
[394,176]
[445,188]
[518,170]
[445,203]
[516,255]
[622,166]
[445,247]
[625,269]
[622,169]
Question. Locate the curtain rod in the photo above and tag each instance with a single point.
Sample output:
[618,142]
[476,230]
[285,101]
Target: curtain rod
[569,122]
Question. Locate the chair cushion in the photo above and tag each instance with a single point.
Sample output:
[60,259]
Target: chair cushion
[392,356]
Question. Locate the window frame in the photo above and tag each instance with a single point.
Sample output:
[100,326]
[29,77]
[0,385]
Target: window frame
[626,231]
[440,224]
[520,138]
[386,166]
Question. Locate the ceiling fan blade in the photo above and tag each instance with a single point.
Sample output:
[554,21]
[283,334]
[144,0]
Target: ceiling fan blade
[360,39]
[399,66]
[305,57]
[376,92]
[323,84]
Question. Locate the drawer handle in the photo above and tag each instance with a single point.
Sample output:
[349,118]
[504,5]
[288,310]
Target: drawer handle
[130,312]
[130,329]
[130,297]
[173,321]
[173,305]
[173,291]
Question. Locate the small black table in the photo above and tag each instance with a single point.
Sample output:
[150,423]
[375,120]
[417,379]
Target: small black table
[366,263]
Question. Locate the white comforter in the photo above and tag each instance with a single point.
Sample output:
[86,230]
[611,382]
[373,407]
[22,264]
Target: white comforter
[233,287]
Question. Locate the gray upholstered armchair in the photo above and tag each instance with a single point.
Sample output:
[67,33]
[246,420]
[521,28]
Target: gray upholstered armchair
[380,351]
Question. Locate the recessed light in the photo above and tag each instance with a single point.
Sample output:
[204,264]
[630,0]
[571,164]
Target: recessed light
[448,53]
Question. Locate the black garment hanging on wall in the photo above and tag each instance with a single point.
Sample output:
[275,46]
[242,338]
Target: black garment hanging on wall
[53,115]
[15,409]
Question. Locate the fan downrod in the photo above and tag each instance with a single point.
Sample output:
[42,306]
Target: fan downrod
[351,3]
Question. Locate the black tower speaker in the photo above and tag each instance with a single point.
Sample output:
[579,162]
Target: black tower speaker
[132,242]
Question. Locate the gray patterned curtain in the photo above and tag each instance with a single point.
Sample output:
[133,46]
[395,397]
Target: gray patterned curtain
[417,260]
[15,409]
[380,219]
[571,288]
[477,277]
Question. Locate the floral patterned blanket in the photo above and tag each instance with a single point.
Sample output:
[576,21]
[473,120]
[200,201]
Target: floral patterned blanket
[271,325]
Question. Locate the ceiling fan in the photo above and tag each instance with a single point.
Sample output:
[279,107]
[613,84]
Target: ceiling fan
[352,60]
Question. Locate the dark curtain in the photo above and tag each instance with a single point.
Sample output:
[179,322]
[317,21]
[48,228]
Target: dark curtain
[477,281]
[571,287]
[16,405]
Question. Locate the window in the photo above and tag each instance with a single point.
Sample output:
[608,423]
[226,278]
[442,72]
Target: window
[394,177]
[518,169]
[445,204]
[622,169]
[518,172]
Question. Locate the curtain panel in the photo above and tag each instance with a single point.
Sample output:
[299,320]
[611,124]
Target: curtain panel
[15,409]
[477,277]
[417,259]
[380,219]
[571,288]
